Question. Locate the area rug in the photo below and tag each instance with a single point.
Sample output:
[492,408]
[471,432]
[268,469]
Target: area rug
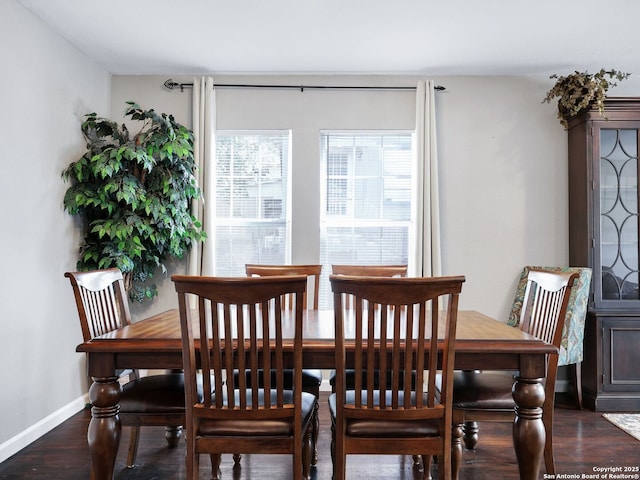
[629,422]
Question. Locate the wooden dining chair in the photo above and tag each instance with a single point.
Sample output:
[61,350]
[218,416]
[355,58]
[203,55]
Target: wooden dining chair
[371,271]
[398,324]
[145,401]
[240,325]
[572,342]
[480,396]
[311,271]
[311,378]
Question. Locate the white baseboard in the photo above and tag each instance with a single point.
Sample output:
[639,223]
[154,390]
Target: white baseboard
[32,433]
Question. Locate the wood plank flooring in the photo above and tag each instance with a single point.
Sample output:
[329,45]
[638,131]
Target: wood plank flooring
[583,440]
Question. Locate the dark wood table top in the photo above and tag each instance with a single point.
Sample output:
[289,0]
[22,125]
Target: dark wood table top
[476,333]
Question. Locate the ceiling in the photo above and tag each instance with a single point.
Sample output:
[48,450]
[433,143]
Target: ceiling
[411,37]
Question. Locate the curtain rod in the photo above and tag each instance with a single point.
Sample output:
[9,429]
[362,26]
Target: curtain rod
[170,84]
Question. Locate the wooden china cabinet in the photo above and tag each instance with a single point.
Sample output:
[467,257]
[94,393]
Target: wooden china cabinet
[604,190]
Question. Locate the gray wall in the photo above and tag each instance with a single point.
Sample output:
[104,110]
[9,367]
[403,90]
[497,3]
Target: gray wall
[47,86]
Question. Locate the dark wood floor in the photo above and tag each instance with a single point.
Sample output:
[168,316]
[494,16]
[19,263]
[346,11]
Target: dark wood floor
[583,440]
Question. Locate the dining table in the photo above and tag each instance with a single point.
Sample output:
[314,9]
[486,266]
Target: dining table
[482,343]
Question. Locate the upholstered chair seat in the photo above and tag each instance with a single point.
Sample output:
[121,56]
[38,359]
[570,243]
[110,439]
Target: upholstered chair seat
[245,427]
[390,428]
[154,394]
[489,391]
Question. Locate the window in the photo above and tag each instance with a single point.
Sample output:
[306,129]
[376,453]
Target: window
[366,192]
[366,200]
[252,200]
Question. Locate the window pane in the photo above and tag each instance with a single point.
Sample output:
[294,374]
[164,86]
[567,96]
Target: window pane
[366,201]
[251,200]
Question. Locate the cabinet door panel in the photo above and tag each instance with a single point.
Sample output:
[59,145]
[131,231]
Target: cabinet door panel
[620,341]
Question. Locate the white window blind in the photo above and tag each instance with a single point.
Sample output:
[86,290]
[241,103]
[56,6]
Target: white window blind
[252,200]
[366,200]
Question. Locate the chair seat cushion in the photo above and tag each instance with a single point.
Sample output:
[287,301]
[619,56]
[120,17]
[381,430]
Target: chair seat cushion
[311,378]
[487,390]
[385,428]
[239,427]
[154,394]
[350,379]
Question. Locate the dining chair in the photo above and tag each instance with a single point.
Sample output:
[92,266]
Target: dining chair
[480,396]
[311,378]
[155,400]
[572,342]
[371,271]
[238,326]
[398,323]
[311,271]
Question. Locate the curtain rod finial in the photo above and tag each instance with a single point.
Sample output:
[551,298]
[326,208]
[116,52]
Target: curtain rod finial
[170,84]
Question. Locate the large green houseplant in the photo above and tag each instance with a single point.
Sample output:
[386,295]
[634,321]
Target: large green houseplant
[580,90]
[134,195]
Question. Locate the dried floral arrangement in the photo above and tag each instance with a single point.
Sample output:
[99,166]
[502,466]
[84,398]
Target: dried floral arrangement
[580,90]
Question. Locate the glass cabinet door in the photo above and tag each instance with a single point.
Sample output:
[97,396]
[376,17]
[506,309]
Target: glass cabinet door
[617,219]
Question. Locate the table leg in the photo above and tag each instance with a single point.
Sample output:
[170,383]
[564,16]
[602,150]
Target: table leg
[104,431]
[470,438]
[528,428]
[173,436]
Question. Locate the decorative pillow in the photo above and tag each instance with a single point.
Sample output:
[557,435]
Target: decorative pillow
[571,345]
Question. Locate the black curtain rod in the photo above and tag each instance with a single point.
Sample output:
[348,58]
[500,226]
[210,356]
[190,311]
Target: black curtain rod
[170,84]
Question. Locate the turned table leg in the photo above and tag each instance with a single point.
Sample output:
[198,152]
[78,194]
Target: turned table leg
[470,438]
[528,428]
[173,436]
[104,430]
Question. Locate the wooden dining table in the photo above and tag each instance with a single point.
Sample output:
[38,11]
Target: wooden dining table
[155,343]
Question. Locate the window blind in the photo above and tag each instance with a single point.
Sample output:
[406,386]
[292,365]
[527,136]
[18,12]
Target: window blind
[366,200]
[252,198]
